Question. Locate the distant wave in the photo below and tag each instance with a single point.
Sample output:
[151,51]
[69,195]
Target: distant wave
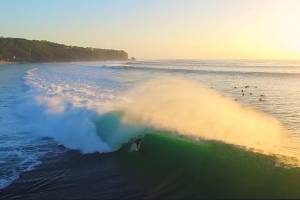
[199,70]
[202,67]
[103,65]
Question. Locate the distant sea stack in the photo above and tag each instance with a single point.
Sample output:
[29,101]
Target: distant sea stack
[132,58]
[22,50]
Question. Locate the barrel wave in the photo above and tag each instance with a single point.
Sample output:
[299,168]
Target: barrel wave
[184,167]
[112,130]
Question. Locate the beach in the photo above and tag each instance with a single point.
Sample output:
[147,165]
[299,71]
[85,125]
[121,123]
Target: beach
[6,63]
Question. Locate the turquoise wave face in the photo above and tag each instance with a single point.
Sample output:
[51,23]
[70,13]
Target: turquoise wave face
[112,130]
[178,167]
[207,169]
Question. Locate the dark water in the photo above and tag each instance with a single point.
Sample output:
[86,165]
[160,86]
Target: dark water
[165,167]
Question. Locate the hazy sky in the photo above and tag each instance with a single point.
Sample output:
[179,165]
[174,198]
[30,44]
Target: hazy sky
[162,29]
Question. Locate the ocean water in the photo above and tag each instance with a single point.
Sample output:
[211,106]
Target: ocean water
[209,129]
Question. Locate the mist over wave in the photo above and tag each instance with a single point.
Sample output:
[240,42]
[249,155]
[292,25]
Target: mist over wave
[188,108]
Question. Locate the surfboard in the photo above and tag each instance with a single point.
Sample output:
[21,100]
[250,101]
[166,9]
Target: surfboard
[133,147]
[133,144]
[138,148]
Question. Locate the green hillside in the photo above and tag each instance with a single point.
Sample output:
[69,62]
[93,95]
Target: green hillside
[22,50]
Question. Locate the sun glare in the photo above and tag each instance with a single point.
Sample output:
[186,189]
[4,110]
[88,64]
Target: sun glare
[288,35]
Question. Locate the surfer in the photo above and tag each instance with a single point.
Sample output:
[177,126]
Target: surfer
[138,144]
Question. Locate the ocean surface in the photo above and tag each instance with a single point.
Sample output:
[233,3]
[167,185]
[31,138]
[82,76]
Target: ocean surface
[209,129]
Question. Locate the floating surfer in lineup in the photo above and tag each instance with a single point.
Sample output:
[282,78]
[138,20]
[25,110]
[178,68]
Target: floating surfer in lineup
[138,144]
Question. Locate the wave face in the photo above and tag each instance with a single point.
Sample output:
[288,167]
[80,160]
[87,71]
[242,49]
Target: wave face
[186,111]
[174,167]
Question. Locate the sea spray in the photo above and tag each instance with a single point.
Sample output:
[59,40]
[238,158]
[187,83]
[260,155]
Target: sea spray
[50,113]
[188,108]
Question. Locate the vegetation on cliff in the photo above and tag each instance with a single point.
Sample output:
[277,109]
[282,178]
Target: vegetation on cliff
[22,50]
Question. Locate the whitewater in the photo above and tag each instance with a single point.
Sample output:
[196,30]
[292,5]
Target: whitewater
[101,107]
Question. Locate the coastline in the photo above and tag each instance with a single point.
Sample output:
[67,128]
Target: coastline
[7,63]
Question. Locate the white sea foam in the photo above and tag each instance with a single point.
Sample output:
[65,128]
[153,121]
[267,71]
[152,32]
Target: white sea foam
[62,112]
[73,128]
[18,160]
[6,180]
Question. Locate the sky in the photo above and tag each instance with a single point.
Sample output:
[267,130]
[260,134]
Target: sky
[162,29]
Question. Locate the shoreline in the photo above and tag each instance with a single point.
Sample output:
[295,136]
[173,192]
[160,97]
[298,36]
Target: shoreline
[7,63]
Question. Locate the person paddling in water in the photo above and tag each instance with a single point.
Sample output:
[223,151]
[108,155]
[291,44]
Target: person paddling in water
[138,144]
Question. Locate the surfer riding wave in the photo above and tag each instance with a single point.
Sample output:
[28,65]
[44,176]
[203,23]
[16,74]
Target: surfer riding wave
[138,144]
